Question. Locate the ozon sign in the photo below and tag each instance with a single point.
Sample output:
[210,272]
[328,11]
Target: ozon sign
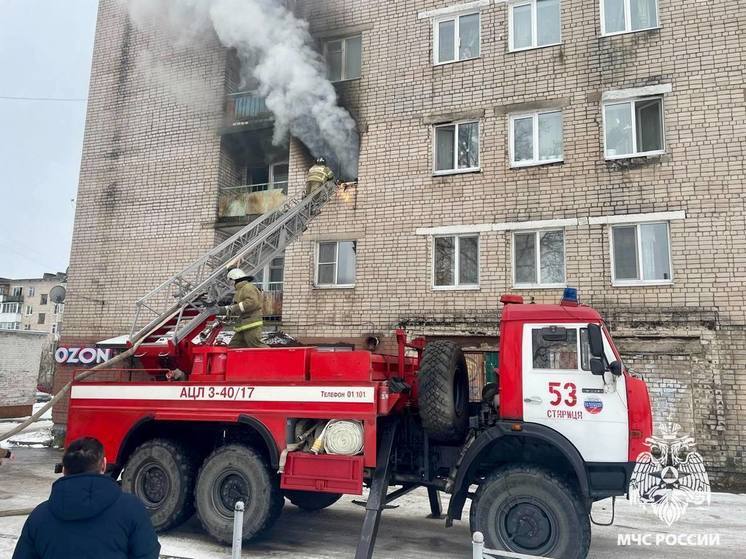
[81,356]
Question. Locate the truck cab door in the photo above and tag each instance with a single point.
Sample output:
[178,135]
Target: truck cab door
[560,392]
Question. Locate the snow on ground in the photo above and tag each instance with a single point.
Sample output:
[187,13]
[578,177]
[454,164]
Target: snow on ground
[37,435]
[405,533]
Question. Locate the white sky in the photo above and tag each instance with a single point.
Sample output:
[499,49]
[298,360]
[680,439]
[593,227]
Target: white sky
[45,52]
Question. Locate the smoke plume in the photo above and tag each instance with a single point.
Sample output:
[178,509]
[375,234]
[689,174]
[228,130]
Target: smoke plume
[276,51]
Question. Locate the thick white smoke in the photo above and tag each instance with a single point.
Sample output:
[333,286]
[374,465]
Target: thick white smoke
[276,50]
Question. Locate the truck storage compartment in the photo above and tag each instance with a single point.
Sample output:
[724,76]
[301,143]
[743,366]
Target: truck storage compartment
[326,473]
[340,365]
[283,365]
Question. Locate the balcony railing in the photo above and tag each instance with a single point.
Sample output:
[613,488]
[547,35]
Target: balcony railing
[254,199]
[245,107]
[272,305]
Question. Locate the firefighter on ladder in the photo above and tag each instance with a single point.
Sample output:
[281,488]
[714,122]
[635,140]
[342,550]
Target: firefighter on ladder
[318,175]
[246,310]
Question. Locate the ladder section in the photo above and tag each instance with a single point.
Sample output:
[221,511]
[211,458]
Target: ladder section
[185,296]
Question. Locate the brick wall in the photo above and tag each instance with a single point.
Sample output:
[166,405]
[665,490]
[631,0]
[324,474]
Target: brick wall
[20,354]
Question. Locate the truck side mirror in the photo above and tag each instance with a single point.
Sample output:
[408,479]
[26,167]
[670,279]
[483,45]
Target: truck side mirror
[597,366]
[616,368]
[596,341]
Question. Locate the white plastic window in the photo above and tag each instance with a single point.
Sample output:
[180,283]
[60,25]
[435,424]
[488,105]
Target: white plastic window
[456,38]
[539,259]
[641,254]
[534,23]
[344,58]
[536,138]
[456,262]
[626,16]
[335,263]
[634,128]
[456,147]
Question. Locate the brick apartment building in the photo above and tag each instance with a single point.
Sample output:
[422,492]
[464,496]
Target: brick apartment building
[519,146]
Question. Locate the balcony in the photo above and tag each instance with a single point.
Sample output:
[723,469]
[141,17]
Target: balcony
[272,305]
[241,204]
[247,108]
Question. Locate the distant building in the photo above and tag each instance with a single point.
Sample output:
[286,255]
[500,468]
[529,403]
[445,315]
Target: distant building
[25,305]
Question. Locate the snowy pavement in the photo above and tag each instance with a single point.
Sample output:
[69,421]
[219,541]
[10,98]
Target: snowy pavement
[405,533]
[38,435]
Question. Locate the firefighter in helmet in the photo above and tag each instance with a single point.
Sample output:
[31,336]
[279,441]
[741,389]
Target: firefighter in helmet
[246,311]
[318,175]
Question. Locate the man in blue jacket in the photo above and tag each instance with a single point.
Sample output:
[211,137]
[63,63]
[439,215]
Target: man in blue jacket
[87,514]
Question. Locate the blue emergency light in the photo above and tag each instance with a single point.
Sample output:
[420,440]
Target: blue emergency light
[570,296]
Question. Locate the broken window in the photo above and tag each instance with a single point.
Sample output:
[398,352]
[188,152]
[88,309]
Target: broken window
[634,128]
[335,263]
[457,38]
[534,23]
[539,259]
[344,58]
[536,138]
[456,261]
[641,253]
[624,16]
[457,147]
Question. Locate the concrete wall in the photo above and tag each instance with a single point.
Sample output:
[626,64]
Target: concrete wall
[20,355]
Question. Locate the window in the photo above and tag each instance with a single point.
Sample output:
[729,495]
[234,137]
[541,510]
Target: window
[556,347]
[344,58]
[29,310]
[59,308]
[27,327]
[17,291]
[633,128]
[456,38]
[272,276]
[43,299]
[42,318]
[534,23]
[54,328]
[457,147]
[10,308]
[539,259]
[641,254]
[456,262]
[625,16]
[272,177]
[536,138]
[335,264]
[31,291]
[10,325]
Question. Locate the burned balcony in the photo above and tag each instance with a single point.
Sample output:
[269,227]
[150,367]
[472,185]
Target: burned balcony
[263,189]
[247,109]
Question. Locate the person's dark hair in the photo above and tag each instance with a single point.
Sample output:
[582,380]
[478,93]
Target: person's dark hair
[83,456]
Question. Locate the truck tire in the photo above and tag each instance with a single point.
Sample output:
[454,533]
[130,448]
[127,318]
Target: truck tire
[161,473]
[444,392]
[311,500]
[529,510]
[236,473]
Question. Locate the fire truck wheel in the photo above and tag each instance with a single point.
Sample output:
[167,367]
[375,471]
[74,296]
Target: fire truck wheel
[444,392]
[161,473]
[529,510]
[236,473]
[311,500]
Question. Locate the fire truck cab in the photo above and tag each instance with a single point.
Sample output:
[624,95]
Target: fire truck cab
[559,429]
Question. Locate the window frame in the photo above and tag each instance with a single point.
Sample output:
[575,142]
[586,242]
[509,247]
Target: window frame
[29,310]
[537,240]
[344,40]
[457,286]
[632,101]
[266,283]
[457,170]
[335,285]
[627,19]
[456,18]
[534,162]
[638,238]
[534,26]
[31,291]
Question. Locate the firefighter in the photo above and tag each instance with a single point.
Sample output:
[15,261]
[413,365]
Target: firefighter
[246,310]
[318,175]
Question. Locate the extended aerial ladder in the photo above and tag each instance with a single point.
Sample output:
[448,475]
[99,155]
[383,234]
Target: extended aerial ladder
[175,309]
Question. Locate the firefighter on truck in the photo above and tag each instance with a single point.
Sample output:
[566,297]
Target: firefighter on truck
[247,311]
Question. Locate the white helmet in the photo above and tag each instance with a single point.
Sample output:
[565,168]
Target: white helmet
[236,274]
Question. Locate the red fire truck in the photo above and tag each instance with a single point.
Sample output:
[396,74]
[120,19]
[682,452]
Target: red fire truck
[559,429]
